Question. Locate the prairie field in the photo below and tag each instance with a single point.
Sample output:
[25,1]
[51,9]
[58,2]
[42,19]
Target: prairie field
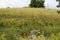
[29,24]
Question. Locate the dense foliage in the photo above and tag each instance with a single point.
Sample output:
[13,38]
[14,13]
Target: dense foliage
[29,24]
[59,2]
[37,3]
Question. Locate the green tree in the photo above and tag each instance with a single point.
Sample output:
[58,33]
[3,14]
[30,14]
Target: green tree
[37,3]
[59,2]
[33,3]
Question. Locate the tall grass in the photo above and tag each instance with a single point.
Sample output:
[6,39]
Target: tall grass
[17,23]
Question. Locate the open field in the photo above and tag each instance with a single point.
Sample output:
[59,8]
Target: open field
[29,24]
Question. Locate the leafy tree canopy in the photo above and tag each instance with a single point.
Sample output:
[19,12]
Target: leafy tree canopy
[37,3]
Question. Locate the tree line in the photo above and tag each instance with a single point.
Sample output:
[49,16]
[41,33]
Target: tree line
[39,3]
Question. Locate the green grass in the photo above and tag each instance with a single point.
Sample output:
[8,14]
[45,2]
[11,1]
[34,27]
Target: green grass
[16,21]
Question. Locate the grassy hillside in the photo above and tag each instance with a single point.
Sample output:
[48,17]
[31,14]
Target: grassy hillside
[23,23]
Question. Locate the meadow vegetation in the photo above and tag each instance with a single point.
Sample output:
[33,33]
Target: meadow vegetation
[29,24]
